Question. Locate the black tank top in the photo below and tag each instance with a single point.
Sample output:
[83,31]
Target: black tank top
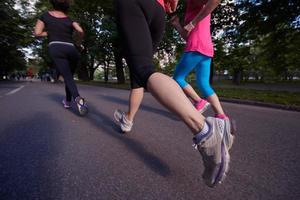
[58,29]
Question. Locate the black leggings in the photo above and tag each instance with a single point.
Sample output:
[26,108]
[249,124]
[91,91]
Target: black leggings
[65,58]
[141,24]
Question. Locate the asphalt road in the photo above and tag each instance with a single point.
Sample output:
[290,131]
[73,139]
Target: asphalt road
[48,152]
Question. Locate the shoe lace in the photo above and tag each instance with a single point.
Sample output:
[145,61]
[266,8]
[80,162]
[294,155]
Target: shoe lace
[221,126]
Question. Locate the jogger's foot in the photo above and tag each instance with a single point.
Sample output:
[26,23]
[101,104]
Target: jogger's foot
[202,105]
[66,104]
[229,133]
[81,105]
[214,152]
[125,124]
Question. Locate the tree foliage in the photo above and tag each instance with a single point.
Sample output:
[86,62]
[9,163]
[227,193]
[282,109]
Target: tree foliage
[271,31]
[257,38]
[12,31]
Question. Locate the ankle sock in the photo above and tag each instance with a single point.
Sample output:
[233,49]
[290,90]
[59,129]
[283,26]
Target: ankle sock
[199,136]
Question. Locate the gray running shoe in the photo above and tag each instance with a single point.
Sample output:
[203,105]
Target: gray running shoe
[214,152]
[125,124]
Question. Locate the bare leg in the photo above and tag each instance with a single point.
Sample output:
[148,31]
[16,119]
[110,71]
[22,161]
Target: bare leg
[190,92]
[161,86]
[215,103]
[135,100]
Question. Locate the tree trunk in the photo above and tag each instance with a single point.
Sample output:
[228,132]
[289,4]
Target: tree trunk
[238,76]
[106,73]
[83,72]
[91,68]
[91,73]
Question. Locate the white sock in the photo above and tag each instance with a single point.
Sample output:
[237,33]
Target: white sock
[204,130]
[199,136]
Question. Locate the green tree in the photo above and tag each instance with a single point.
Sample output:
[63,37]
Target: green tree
[12,29]
[273,28]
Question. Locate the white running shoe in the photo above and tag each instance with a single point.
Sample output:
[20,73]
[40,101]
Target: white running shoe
[214,152]
[81,105]
[125,124]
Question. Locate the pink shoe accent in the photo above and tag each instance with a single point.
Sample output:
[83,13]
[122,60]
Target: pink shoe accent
[202,105]
[222,116]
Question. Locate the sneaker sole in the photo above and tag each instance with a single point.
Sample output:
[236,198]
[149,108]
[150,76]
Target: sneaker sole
[225,153]
[224,168]
[83,110]
[125,130]
[223,165]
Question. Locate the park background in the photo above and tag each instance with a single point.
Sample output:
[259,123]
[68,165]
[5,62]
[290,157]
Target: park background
[257,45]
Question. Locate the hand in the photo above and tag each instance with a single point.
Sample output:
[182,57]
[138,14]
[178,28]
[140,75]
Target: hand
[175,21]
[171,5]
[189,27]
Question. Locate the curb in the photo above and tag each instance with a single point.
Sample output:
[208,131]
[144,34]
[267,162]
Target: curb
[261,104]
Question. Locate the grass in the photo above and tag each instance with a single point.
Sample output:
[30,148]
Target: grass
[276,97]
[265,96]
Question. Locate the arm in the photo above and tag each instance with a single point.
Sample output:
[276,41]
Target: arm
[208,8]
[79,30]
[175,22]
[39,29]
[80,37]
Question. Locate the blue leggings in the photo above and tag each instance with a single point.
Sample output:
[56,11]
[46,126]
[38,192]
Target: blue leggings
[201,64]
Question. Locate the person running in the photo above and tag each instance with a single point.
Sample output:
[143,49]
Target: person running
[141,26]
[59,30]
[197,55]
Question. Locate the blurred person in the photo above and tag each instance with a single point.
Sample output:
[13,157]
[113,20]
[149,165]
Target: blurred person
[59,27]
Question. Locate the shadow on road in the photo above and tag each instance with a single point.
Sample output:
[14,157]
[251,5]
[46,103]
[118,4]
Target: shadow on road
[58,99]
[27,151]
[142,107]
[106,123]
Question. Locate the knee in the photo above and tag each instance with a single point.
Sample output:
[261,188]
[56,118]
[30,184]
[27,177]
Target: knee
[141,75]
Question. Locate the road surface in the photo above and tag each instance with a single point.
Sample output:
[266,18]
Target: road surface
[48,152]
